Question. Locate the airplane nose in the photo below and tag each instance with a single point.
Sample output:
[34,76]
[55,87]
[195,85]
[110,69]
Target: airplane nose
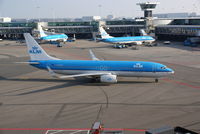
[171,71]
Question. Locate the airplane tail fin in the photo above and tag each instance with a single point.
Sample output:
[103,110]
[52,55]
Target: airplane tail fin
[142,32]
[35,50]
[42,34]
[104,34]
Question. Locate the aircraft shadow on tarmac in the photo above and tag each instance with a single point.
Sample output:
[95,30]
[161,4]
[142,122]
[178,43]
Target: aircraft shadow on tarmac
[64,84]
[182,47]
[106,46]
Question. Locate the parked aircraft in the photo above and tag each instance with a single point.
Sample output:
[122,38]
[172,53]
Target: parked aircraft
[105,71]
[54,37]
[137,40]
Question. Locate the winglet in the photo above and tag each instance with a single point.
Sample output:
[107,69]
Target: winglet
[93,56]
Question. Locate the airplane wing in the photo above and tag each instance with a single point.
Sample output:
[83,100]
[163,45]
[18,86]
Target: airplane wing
[93,56]
[53,74]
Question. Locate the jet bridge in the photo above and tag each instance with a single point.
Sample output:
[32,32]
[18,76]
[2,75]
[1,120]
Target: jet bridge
[14,32]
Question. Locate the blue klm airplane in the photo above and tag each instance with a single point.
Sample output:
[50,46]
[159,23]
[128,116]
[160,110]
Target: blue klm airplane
[105,71]
[55,37]
[137,40]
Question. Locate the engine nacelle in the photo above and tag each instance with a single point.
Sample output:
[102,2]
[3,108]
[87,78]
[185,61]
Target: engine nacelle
[139,43]
[108,78]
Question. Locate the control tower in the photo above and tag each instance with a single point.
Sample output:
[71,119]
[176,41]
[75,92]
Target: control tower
[148,8]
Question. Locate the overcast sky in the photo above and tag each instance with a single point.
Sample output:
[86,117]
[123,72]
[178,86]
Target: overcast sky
[79,8]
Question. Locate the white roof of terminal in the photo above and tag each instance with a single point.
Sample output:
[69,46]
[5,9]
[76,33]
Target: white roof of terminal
[179,26]
[15,28]
[68,27]
[146,3]
[125,25]
[189,18]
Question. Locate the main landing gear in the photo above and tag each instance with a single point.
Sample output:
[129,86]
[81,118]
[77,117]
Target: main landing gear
[156,80]
[95,80]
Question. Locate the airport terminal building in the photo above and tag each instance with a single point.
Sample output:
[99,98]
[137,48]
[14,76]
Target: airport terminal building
[179,29]
[165,29]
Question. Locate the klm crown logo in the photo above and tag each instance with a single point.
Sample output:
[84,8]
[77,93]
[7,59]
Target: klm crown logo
[35,50]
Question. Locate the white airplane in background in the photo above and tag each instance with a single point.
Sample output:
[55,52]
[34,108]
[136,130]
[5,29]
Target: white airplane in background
[105,71]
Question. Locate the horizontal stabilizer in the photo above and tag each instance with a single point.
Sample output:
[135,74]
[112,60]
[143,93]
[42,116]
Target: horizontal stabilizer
[31,62]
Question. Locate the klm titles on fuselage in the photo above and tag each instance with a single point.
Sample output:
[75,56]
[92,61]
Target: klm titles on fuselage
[35,50]
[138,65]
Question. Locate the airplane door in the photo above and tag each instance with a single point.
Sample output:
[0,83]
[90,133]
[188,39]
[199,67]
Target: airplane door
[154,68]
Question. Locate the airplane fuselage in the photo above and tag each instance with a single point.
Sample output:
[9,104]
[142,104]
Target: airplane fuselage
[135,39]
[119,68]
[56,37]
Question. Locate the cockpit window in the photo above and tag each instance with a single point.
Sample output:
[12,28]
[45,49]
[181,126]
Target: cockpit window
[164,67]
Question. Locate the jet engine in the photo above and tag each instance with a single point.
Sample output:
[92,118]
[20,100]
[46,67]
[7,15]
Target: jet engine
[108,78]
[139,43]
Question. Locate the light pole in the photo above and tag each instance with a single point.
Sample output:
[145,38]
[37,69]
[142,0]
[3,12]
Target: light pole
[100,6]
[38,12]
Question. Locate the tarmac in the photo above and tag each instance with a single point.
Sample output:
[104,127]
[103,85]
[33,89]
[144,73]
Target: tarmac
[31,99]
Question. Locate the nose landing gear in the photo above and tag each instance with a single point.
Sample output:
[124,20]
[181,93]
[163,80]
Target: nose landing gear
[156,80]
